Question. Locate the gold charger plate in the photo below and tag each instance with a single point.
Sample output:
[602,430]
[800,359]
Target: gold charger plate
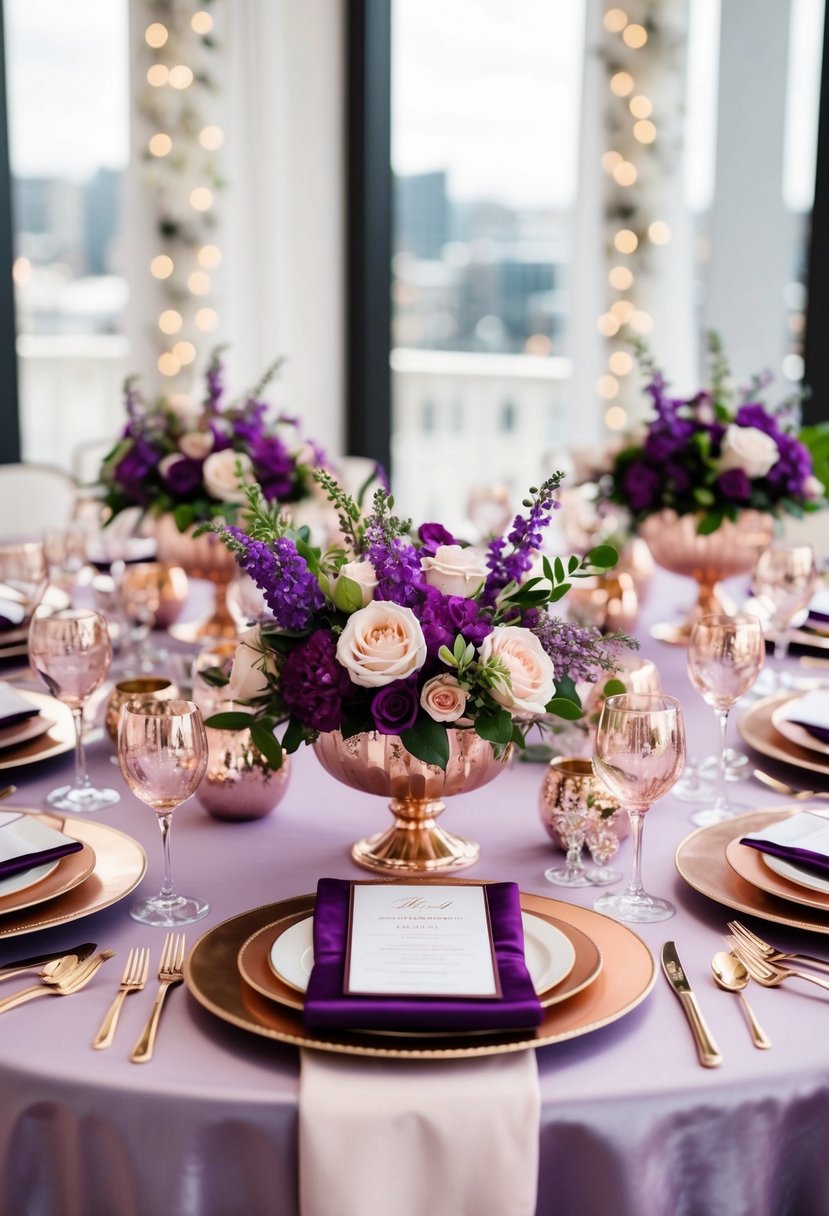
[758,731]
[749,864]
[58,739]
[701,860]
[120,864]
[256,971]
[70,872]
[212,977]
[792,732]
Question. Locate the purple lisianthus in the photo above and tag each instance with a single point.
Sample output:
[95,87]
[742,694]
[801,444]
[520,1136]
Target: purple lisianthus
[641,485]
[249,426]
[793,467]
[754,414]
[133,469]
[183,475]
[432,536]
[679,477]
[314,684]
[668,439]
[443,617]
[734,485]
[274,467]
[394,707]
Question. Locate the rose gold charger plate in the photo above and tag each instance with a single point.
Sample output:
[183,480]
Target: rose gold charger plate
[119,864]
[702,859]
[59,738]
[69,872]
[758,731]
[212,976]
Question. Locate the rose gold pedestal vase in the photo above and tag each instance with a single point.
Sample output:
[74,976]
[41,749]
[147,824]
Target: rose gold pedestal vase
[677,546]
[379,764]
[204,557]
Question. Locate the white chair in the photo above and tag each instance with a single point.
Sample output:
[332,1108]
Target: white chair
[34,497]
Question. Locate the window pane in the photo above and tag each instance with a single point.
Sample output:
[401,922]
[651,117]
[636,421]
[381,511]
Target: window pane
[67,73]
[484,153]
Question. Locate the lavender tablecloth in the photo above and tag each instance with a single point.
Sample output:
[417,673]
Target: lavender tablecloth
[631,1124]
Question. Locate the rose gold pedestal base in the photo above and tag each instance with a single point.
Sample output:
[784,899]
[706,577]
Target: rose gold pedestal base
[415,844]
[218,624]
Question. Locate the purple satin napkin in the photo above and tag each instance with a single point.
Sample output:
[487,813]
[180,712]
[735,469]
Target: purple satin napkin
[327,1006]
[13,707]
[817,863]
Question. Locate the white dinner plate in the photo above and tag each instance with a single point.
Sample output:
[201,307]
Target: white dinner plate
[796,874]
[550,955]
[27,878]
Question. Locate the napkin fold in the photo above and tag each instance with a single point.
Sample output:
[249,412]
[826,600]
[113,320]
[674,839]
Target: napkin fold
[26,842]
[12,614]
[802,839]
[13,707]
[811,711]
[819,606]
[327,1005]
[418,1137]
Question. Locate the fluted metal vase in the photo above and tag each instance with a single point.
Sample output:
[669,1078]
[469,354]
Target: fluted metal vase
[732,549]
[203,557]
[380,764]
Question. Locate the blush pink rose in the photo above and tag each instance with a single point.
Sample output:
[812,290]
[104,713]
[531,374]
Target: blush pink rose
[531,672]
[380,643]
[443,698]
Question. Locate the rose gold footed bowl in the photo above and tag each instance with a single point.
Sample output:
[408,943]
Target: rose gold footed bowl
[204,557]
[733,549]
[380,764]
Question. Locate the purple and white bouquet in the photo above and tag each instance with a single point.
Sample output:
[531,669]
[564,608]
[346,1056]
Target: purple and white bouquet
[716,453]
[193,464]
[407,633]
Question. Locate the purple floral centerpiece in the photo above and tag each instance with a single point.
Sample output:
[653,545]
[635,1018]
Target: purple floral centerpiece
[191,464]
[407,634]
[716,454]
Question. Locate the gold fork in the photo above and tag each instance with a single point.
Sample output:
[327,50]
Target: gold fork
[768,953]
[170,972]
[789,790]
[770,975]
[62,982]
[133,979]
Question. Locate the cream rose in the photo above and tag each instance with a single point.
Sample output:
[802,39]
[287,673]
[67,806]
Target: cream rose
[220,476]
[455,570]
[813,487]
[361,573]
[196,444]
[443,698]
[749,449]
[531,671]
[380,643]
[252,662]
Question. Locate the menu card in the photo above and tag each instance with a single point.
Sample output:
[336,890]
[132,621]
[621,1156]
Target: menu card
[420,940]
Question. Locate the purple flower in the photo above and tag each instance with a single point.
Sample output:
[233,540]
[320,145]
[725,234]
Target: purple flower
[527,534]
[397,566]
[754,414]
[443,617]
[314,684]
[273,467]
[667,438]
[183,476]
[249,426]
[794,464]
[215,384]
[133,469]
[734,485]
[433,535]
[395,707]
[641,486]
[575,650]
[290,589]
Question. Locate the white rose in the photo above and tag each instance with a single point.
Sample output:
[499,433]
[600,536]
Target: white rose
[813,487]
[455,570]
[443,698]
[361,573]
[220,477]
[251,662]
[380,643]
[531,671]
[196,444]
[749,449]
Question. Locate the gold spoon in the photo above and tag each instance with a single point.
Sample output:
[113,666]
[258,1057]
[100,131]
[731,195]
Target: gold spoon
[730,974]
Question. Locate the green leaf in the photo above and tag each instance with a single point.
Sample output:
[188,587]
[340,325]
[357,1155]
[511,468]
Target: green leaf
[348,594]
[559,592]
[294,736]
[428,741]
[565,687]
[709,523]
[495,727]
[184,514]
[559,570]
[614,688]
[573,564]
[548,569]
[214,676]
[268,744]
[564,708]
[603,556]
[231,720]
[518,737]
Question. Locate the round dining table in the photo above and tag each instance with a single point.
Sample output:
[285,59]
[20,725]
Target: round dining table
[631,1124]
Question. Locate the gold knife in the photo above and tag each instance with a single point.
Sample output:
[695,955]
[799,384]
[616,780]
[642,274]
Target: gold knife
[709,1053]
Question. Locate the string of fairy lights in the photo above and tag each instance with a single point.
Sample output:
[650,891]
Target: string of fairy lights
[182,173]
[631,54]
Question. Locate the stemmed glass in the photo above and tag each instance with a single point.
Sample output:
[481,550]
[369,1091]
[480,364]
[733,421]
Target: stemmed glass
[640,751]
[71,652]
[141,599]
[786,578]
[725,655]
[162,752]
